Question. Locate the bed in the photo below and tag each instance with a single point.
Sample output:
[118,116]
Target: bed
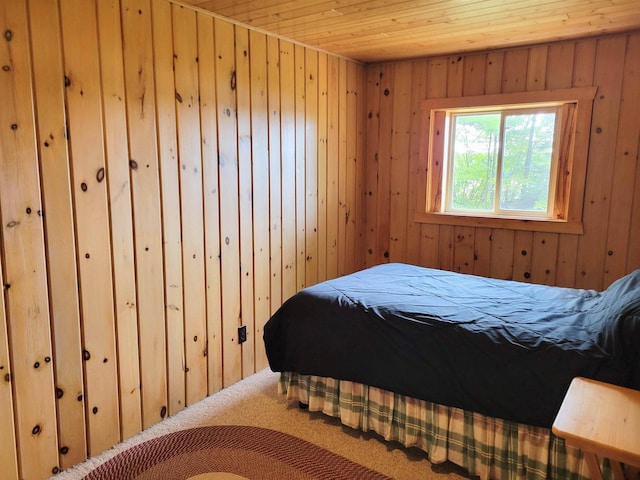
[469,369]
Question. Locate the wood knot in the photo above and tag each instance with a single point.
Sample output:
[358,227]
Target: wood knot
[233,80]
[8,35]
[36,430]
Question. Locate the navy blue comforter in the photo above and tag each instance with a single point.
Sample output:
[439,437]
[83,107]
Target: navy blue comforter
[501,348]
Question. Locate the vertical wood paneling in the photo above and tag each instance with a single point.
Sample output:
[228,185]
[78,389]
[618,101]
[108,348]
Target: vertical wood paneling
[84,110]
[358,152]
[371,161]
[124,275]
[333,153]
[300,164]
[350,169]
[482,252]
[430,234]
[446,247]
[260,192]
[608,74]
[170,192]
[383,206]
[463,253]
[243,98]
[341,168]
[209,127]
[633,252]
[322,152]
[544,257]
[185,54]
[417,167]
[229,204]
[522,247]
[288,168]
[311,165]
[8,450]
[275,177]
[399,162]
[625,167]
[48,78]
[141,117]
[25,282]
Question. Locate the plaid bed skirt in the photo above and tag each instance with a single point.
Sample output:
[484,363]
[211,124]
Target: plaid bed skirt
[487,447]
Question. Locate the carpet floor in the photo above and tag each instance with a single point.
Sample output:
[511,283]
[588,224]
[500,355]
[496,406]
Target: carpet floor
[252,409]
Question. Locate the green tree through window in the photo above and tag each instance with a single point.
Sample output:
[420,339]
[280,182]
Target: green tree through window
[501,161]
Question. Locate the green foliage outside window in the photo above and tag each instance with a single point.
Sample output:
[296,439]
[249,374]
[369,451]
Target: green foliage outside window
[508,154]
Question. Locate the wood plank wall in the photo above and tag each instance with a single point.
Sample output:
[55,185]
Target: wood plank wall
[609,247]
[165,177]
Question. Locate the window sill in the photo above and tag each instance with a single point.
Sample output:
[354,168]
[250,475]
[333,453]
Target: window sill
[527,224]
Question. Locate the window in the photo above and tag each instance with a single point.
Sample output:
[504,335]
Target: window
[501,162]
[507,161]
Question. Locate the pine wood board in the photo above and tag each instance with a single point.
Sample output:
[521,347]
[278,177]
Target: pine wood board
[87,149]
[26,305]
[275,175]
[300,164]
[187,100]
[124,271]
[229,203]
[211,192]
[333,153]
[288,168]
[311,166]
[322,149]
[48,83]
[170,202]
[137,26]
[243,98]
[606,109]
[260,194]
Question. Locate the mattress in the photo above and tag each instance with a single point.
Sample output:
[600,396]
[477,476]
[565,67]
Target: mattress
[501,348]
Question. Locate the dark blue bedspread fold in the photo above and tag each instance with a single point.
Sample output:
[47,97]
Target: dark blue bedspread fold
[501,348]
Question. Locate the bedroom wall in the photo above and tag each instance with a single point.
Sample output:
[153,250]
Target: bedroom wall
[165,177]
[611,213]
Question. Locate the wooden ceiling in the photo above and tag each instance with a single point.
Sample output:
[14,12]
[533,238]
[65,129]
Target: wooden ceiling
[382,30]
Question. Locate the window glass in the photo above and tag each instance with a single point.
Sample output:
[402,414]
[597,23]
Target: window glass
[527,161]
[501,162]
